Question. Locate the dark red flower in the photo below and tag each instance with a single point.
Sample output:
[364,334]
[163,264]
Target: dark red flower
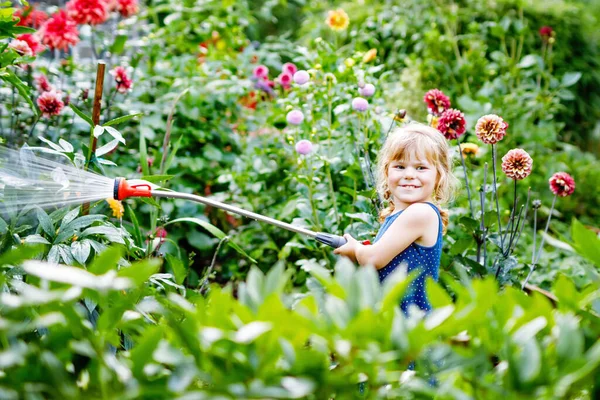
[546,31]
[42,84]
[31,17]
[127,8]
[124,84]
[92,12]
[437,102]
[452,123]
[60,32]
[562,184]
[50,103]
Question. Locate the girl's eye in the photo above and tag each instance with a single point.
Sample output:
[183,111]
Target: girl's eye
[421,168]
[400,166]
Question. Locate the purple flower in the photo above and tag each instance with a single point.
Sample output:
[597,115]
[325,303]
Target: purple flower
[367,90]
[261,71]
[295,117]
[264,86]
[360,104]
[304,147]
[301,77]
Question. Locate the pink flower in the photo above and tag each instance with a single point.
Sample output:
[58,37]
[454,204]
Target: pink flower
[289,68]
[490,129]
[42,84]
[546,31]
[50,103]
[562,184]
[437,102]
[261,71]
[516,164]
[360,104]
[29,16]
[127,8]
[161,233]
[452,123]
[33,41]
[301,77]
[60,32]
[285,79]
[367,90]
[295,117]
[21,47]
[304,147]
[124,84]
[93,12]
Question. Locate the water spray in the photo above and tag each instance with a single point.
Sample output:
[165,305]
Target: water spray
[29,181]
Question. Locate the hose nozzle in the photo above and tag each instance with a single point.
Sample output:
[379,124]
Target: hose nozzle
[124,189]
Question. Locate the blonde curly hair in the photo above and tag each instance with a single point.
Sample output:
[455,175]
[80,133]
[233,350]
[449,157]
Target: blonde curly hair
[423,142]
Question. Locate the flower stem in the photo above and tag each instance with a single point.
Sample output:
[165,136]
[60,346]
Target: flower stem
[333,197]
[482,225]
[462,160]
[511,221]
[518,236]
[539,252]
[496,197]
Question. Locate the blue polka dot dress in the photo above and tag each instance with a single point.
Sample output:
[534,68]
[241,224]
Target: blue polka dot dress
[415,256]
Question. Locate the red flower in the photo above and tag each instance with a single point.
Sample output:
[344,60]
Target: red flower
[160,233]
[517,164]
[452,123]
[546,31]
[562,184]
[437,102]
[31,17]
[50,103]
[33,41]
[42,84]
[21,47]
[93,12]
[60,32]
[249,101]
[124,84]
[127,8]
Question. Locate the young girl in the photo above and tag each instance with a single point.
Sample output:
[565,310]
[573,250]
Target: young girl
[414,175]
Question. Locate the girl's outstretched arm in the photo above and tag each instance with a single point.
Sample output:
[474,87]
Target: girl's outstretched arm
[410,226]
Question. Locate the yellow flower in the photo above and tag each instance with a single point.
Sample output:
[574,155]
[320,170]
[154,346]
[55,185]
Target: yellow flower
[117,207]
[369,56]
[469,148]
[349,62]
[337,19]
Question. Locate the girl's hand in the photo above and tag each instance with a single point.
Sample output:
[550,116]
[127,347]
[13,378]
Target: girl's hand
[349,249]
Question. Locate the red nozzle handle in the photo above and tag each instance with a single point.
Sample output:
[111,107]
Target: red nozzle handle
[124,190]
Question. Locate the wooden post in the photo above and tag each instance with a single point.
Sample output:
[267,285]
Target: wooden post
[97,106]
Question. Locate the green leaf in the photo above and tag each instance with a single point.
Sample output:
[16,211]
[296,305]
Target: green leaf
[45,222]
[214,231]
[110,232]
[528,61]
[140,271]
[118,45]
[82,115]
[144,155]
[586,242]
[142,353]
[10,77]
[106,260]
[179,270]
[78,223]
[122,119]
[156,178]
[570,78]
[81,250]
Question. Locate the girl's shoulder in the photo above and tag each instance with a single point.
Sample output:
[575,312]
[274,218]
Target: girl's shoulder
[422,210]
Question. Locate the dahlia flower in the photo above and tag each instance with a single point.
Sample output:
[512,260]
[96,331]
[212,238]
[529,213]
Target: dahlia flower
[92,12]
[127,8]
[124,84]
[562,184]
[490,129]
[301,77]
[33,41]
[369,56]
[337,20]
[437,102]
[50,103]
[117,207]
[295,117]
[452,123]
[469,149]
[290,68]
[367,90]
[260,71]
[31,17]
[21,47]
[60,32]
[546,31]
[285,79]
[42,84]
[516,164]
[304,147]
[360,104]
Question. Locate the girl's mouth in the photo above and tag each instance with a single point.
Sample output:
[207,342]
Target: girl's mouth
[409,187]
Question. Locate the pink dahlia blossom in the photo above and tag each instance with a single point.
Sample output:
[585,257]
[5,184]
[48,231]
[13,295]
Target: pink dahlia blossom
[31,17]
[304,147]
[285,80]
[127,8]
[261,71]
[60,32]
[301,77]
[452,123]
[50,103]
[490,129]
[562,184]
[367,90]
[42,84]
[289,68]
[517,164]
[21,47]
[92,12]
[295,117]
[360,104]
[546,31]
[124,84]
[437,102]
[33,41]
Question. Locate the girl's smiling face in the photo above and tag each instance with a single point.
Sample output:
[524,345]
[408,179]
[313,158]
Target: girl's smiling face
[411,180]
